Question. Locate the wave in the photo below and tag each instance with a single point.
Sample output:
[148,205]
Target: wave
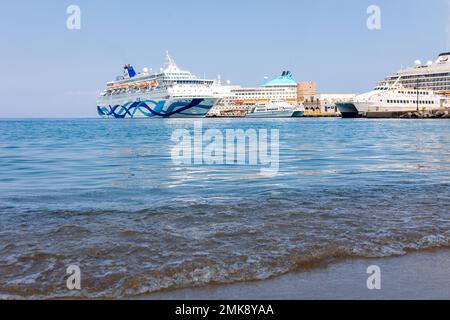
[183,243]
[198,271]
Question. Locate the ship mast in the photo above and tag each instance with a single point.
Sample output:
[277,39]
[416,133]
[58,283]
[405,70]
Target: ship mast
[169,61]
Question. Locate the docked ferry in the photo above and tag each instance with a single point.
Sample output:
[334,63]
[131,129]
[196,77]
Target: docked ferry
[171,92]
[389,99]
[272,110]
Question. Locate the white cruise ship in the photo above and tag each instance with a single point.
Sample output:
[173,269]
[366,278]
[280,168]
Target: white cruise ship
[171,92]
[391,98]
[283,88]
[432,75]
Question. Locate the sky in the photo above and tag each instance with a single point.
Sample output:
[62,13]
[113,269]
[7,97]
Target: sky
[50,71]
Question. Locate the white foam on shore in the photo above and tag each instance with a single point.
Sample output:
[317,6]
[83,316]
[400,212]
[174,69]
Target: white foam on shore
[424,275]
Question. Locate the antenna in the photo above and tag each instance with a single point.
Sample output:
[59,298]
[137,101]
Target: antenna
[169,61]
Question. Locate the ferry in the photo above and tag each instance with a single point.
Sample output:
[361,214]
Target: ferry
[271,110]
[171,92]
[389,99]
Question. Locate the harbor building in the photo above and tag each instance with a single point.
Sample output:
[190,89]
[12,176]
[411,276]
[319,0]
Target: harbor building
[324,104]
[305,89]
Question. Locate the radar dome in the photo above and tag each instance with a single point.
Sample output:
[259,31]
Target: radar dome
[429,63]
[418,62]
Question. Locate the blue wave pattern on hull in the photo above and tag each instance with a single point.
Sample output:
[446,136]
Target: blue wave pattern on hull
[131,108]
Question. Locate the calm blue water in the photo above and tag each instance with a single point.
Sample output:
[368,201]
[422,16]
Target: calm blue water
[106,195]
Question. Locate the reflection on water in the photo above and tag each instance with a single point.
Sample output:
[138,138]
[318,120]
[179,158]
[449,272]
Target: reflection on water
[105,195]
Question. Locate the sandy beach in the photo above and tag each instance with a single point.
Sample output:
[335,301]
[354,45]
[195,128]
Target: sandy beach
[424,275]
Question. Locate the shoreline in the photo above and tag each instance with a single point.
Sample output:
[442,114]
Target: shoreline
[414,276]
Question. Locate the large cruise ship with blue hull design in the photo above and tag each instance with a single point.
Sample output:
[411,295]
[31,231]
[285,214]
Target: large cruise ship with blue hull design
[171,92]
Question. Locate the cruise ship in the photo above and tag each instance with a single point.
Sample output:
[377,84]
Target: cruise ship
[425,87]
[432,75]
[171,92]
[280,89]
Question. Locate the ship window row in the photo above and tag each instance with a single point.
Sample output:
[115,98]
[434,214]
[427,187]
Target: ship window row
[410,101]
[435,76]
[429,76]
[263,93]
[260,92]
[428,81]
[424,93]
[422,81]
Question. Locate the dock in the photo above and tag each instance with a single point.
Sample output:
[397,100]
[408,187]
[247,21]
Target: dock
[436,114]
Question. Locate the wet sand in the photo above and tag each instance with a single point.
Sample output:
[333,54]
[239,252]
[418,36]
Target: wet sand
[424,275]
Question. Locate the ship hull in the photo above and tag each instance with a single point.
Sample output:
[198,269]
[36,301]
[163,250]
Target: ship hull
[170,108]
[366,108]
[298,114]
[271,114]
[347,110]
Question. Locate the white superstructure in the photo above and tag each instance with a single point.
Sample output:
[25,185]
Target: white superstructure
[278,109]
[434,75]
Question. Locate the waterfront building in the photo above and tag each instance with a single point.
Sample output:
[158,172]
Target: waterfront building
[306,89]
[325,103]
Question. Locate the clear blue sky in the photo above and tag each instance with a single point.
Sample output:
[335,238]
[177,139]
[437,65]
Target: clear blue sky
[49,71]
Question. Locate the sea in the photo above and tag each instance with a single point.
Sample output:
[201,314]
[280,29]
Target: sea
[111,198]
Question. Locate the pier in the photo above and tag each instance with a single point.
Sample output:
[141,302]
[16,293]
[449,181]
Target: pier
[436,114]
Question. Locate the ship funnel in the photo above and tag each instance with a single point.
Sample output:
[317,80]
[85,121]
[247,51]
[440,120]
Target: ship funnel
[443,58]
[130,70]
